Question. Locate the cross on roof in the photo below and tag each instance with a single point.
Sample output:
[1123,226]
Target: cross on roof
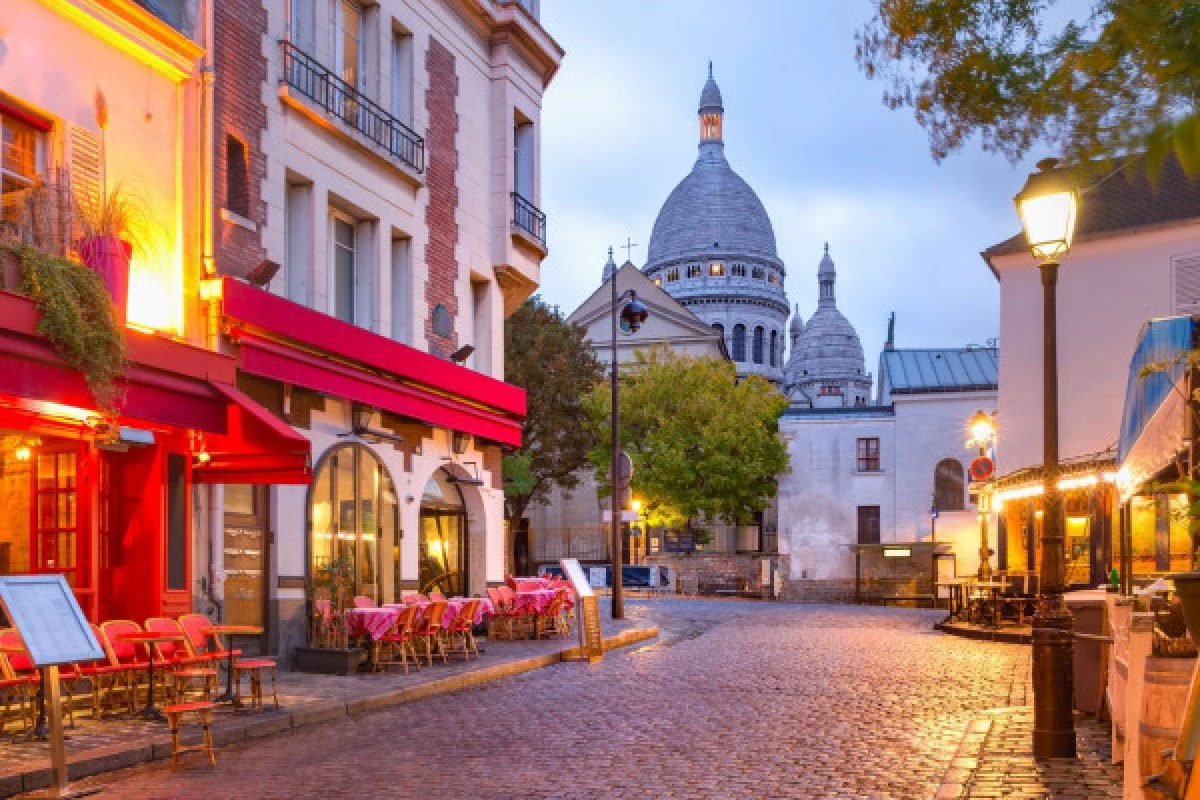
[628,248]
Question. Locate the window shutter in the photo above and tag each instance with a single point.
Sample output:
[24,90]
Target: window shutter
[83,165]
[1186,271]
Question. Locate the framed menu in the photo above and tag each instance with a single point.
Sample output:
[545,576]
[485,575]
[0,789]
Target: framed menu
[52,625]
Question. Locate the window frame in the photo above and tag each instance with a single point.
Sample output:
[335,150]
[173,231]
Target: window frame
[869,525]
[337,217]
[738,348]
[867,454]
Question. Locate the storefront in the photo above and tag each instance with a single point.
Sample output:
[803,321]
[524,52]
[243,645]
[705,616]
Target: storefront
[107,500]
[1155,452]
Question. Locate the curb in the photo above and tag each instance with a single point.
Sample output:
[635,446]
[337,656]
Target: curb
[966,760]
[99,760]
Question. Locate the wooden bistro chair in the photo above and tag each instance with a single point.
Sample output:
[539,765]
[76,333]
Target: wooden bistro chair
[189,672]
[128,656]
[550,621]
[175,713]
[16,689]
[504,616]
[253,668]
[428,630]
[461,631]
[399,641]
[107,679]
[519,618]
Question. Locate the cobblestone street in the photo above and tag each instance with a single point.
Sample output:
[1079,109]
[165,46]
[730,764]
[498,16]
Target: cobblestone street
[734,700]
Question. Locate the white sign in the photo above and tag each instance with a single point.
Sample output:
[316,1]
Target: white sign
[626,516]
[52,625]
[575,575]
[598,577]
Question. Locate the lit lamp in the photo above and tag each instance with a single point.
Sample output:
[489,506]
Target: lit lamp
[1049,206]
[983,433]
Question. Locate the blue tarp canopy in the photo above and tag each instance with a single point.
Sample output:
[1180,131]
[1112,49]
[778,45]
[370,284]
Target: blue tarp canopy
[1152,424]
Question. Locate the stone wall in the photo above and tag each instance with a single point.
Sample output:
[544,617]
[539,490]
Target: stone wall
[828,591]
[709,572]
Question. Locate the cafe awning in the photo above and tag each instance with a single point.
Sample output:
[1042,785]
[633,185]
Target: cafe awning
[256,448]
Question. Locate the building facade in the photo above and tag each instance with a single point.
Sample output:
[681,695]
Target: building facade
[712,248]
[376,202]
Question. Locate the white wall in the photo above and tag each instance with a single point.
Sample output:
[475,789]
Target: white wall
[1107,290]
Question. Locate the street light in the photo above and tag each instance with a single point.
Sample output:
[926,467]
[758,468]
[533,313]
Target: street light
[983,433]
[1049,206]
[632,315]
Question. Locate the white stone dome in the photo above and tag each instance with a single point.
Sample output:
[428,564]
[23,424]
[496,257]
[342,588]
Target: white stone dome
[828,351]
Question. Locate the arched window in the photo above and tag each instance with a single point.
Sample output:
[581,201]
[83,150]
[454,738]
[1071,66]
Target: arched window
[774,346]
[353,520]
[948,485]
[739,342]
[758,345]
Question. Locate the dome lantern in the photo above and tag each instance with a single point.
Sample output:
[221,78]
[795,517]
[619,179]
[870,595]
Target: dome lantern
[712,112]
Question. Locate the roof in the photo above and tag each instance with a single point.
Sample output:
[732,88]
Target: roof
[1121,199]
[940,370]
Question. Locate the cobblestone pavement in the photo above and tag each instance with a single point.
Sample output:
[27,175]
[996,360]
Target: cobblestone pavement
[734,700]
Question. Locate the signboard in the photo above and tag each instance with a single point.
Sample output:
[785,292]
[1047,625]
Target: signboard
[598,577]
[591,643]
[626,516]
[45,612]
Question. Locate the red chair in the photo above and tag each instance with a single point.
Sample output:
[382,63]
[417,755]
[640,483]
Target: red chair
[503,615]
[399,638]
[189,673]
[428,629]
[22,668]
[520,615]
[105,679]
[128,656]
[461,629]
[17,687]
[199,641]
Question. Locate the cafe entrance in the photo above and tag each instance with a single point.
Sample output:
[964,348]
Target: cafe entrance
[245,555]
[443,537]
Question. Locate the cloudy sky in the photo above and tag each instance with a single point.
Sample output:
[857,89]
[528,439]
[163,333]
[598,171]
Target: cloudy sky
[803,126]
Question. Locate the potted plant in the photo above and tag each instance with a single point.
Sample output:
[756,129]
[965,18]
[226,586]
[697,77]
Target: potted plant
[111,226]
[329,651]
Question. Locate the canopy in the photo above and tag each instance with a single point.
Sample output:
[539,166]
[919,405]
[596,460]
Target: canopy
[258,448]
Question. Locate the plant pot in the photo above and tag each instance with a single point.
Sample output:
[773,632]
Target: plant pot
[109,258]
[328,660]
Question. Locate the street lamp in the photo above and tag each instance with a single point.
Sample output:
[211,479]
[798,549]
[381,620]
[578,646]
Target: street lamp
[983,433]
[632,315]
[1049,206]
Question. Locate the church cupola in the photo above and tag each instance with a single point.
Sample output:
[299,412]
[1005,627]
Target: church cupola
[712,113]
[826,277]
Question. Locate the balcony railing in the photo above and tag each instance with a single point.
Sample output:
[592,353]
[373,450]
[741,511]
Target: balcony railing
[342,101]
[41,215]
[529,218]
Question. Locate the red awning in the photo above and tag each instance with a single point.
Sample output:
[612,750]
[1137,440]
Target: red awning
[257,448]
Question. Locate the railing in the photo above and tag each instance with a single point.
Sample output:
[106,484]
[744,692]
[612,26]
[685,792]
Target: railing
[41,215]
[529,218]
[587,543]
[339,99]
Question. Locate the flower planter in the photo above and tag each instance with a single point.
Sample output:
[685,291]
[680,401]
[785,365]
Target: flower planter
[109,258]
[328,660]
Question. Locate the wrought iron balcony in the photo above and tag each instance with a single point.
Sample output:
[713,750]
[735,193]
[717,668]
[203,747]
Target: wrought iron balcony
[343,102]
[529,218]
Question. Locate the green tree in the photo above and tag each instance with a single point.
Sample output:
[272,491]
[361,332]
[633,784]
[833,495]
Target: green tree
[1124,78]
[549,358]
[702,442]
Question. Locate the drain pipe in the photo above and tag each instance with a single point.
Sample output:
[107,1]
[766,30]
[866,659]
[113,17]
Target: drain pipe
[210,297]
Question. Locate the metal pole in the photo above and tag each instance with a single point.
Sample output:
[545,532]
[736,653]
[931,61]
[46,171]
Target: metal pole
[985,555]
[618,600]
[1053,654]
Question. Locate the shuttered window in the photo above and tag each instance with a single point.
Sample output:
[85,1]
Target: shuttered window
[83,164]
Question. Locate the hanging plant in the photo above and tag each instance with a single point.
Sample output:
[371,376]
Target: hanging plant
[77,317]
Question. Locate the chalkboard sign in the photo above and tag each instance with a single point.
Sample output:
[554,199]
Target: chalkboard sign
[45,612]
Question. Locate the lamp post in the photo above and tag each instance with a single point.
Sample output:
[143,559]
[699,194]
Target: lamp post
[1048,205]
[983,434]
[632,315]
[636,505]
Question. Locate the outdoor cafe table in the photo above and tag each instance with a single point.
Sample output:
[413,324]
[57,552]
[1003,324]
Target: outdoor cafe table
[958,590]
[149,639]
[453,606]
[994,588]
[231,631]
[373,622]
[534,601]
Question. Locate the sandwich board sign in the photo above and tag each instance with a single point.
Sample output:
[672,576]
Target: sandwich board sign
[54,631]
[590,642]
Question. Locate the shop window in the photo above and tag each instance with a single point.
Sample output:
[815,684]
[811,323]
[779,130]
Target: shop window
[237,184]
[758,345]
[1159,533]
[948,485]
[739,342]
[868,524]
[177,533]
[868,454]
[354,523]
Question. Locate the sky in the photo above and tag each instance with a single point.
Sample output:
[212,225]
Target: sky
[803,126]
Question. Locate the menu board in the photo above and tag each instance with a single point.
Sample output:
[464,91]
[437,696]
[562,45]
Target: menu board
[45,612]
[574,573]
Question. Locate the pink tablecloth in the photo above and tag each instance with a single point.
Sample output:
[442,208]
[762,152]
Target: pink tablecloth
[530,584]
[534,601]
[373,622]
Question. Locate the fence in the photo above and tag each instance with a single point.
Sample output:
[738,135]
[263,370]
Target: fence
[586,543]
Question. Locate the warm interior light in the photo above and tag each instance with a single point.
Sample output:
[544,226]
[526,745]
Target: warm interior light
[24,453]
[155,288]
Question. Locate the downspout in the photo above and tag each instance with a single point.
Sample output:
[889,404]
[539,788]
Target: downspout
[213,305]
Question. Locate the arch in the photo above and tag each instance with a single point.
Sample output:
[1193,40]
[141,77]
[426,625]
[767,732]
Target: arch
[739,342]
[354,523]
[774,346]
[442,537]
[948,485]
[758,344]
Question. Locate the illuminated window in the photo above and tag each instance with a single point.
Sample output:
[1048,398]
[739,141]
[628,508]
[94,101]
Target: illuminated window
[658,280]
[739,270]
[693,271]
[716,269]
[21,149]
[772,277]
[672,274]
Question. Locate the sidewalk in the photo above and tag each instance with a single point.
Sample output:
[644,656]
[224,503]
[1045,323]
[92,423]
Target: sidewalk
[95,747]
[995,756]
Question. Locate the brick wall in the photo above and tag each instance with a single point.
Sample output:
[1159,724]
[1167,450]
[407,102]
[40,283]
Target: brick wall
[240,70]
[440,179]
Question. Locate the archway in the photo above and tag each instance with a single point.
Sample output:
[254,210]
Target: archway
[442,542]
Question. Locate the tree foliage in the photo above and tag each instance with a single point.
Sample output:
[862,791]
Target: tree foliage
[549,358]
[702,442]
[1124,78]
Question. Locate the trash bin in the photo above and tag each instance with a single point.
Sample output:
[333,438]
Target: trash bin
[1087,607]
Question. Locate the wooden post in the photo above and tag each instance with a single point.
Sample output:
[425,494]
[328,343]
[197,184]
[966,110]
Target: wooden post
[58,749]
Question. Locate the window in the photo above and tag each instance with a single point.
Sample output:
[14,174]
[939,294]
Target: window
[739,342]
[402,75]
[348,33]
[658,280]
[237,184]
[20,156]
[774,346]
[352,279]
[948,485]
[303,22]
[353,518]
[716,269]
[401,289]
[758,345]
[868,524]
[693,271]
[299,231]
[738,271]
[442,537]
[672,274]
[759,273]
[177,530]
[523,158]
[772,277]
[481,301]
[868,454]
[829,389]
